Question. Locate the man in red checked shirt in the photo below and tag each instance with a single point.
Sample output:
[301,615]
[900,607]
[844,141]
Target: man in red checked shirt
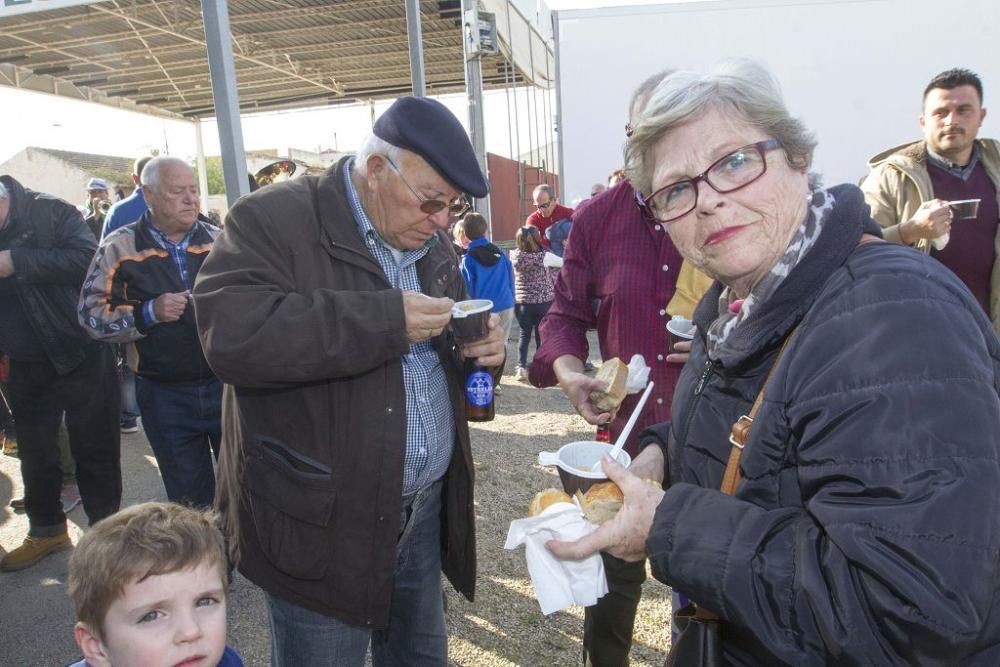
[626,260]
[549,212]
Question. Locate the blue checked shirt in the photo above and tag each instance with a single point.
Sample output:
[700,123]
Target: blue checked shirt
[430,425]
[178,252]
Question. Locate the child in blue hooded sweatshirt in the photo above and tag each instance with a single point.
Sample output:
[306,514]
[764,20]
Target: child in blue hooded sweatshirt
[487,271]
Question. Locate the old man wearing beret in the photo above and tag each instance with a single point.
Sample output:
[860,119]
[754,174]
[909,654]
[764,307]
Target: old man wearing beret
[345,479]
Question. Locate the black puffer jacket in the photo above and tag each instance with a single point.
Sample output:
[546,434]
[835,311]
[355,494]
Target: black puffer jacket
[51,251]
[865,530]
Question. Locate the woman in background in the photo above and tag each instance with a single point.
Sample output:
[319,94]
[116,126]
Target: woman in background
[533,292]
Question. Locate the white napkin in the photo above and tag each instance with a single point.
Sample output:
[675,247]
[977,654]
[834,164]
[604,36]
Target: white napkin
[558,583]
[940,242]
[552,260]
[638,374]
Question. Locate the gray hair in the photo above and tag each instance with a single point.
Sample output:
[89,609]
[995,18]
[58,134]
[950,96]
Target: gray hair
[374,145]
[740,88]
[640,96]
[539,189]
[151,172]
[3,191]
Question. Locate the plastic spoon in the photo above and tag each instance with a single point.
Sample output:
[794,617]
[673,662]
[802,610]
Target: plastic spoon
[629,425]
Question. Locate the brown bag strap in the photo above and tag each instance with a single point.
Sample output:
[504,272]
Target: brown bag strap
[740,430]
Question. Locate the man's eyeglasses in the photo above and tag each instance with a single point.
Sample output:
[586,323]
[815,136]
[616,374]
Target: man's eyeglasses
[729,173]
[456,207]
[542,207]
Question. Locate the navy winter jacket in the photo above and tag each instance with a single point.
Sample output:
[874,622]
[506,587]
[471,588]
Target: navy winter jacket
[866,530]
[488,274]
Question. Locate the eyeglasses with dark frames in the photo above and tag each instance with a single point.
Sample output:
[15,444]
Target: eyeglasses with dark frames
[542,207]
[456,207]
[729,173]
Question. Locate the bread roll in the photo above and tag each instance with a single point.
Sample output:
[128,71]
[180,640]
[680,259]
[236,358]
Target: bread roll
[602,502]
[547,497]
[615,373]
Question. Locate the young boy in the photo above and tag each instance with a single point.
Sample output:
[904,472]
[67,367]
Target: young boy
[487,271]
[149,588]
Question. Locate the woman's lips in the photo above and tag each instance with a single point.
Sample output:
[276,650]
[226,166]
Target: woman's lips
[724,234]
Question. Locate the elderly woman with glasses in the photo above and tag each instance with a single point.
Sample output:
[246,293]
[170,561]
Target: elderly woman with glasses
[850,517]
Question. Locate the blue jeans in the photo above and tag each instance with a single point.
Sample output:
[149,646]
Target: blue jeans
[416,633]
[183,423]
[529,316]
[126,380]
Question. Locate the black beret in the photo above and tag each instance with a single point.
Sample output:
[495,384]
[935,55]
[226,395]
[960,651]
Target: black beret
[427,128]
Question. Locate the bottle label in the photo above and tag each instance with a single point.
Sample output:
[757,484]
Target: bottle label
[479,389]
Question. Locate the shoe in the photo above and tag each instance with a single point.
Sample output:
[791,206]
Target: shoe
[497,390]
[10,445]
[18,504]
[521,374]
[70,497]
[588,367]
[129,425]
[34,549]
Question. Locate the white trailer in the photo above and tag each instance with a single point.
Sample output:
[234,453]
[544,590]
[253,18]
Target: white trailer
[853,70]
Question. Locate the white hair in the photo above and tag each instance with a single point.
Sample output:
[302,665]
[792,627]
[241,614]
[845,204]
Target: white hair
[151,172]
[373,145]
[3,191]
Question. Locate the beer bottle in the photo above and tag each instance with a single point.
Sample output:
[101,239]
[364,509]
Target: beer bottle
[478,394]
[603,433]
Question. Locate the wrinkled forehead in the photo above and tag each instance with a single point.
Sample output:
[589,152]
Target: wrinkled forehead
[422,174]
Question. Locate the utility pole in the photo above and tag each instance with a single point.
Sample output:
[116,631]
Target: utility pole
[474,90]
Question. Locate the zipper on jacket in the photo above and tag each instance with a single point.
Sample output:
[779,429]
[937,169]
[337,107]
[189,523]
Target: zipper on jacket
[702,381]
[709,367]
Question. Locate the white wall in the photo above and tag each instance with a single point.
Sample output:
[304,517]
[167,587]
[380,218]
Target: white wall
[853,70]
[44,173]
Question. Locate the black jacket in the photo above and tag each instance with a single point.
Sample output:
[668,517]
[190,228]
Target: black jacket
[865,530]
[51,249]
[130,269]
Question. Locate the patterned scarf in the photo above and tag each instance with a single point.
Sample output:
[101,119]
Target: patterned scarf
[732,311]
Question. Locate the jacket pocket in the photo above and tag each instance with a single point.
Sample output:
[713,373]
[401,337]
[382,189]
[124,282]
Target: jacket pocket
[291,499]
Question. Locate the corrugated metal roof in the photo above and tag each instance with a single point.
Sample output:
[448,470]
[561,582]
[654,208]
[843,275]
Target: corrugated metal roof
[150,54]
[118,169]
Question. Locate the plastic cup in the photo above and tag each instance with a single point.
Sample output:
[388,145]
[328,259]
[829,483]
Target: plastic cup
[964,209]
[679,330]
[574,461]
[475,324]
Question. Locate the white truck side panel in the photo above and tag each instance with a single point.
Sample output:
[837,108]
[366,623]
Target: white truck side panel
[853,70]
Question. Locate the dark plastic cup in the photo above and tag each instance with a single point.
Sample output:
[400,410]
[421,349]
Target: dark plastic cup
[575,460]
[964,209]
[475,325]
[679,330]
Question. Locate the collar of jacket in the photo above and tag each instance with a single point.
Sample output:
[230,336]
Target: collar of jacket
[144,239]
[772,320]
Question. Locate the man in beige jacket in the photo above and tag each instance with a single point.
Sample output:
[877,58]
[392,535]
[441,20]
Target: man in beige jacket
[910,186]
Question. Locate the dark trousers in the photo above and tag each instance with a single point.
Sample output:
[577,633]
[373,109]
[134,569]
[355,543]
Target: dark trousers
[89,397]
[607,626]
[529,315]
[183,423]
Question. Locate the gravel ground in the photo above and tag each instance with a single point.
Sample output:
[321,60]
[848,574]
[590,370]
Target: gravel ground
[503,627]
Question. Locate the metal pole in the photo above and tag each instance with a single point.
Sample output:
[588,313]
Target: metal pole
[202,169]
[517,125]
[559,130]
[414,36]
[218,41]
[474,89]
